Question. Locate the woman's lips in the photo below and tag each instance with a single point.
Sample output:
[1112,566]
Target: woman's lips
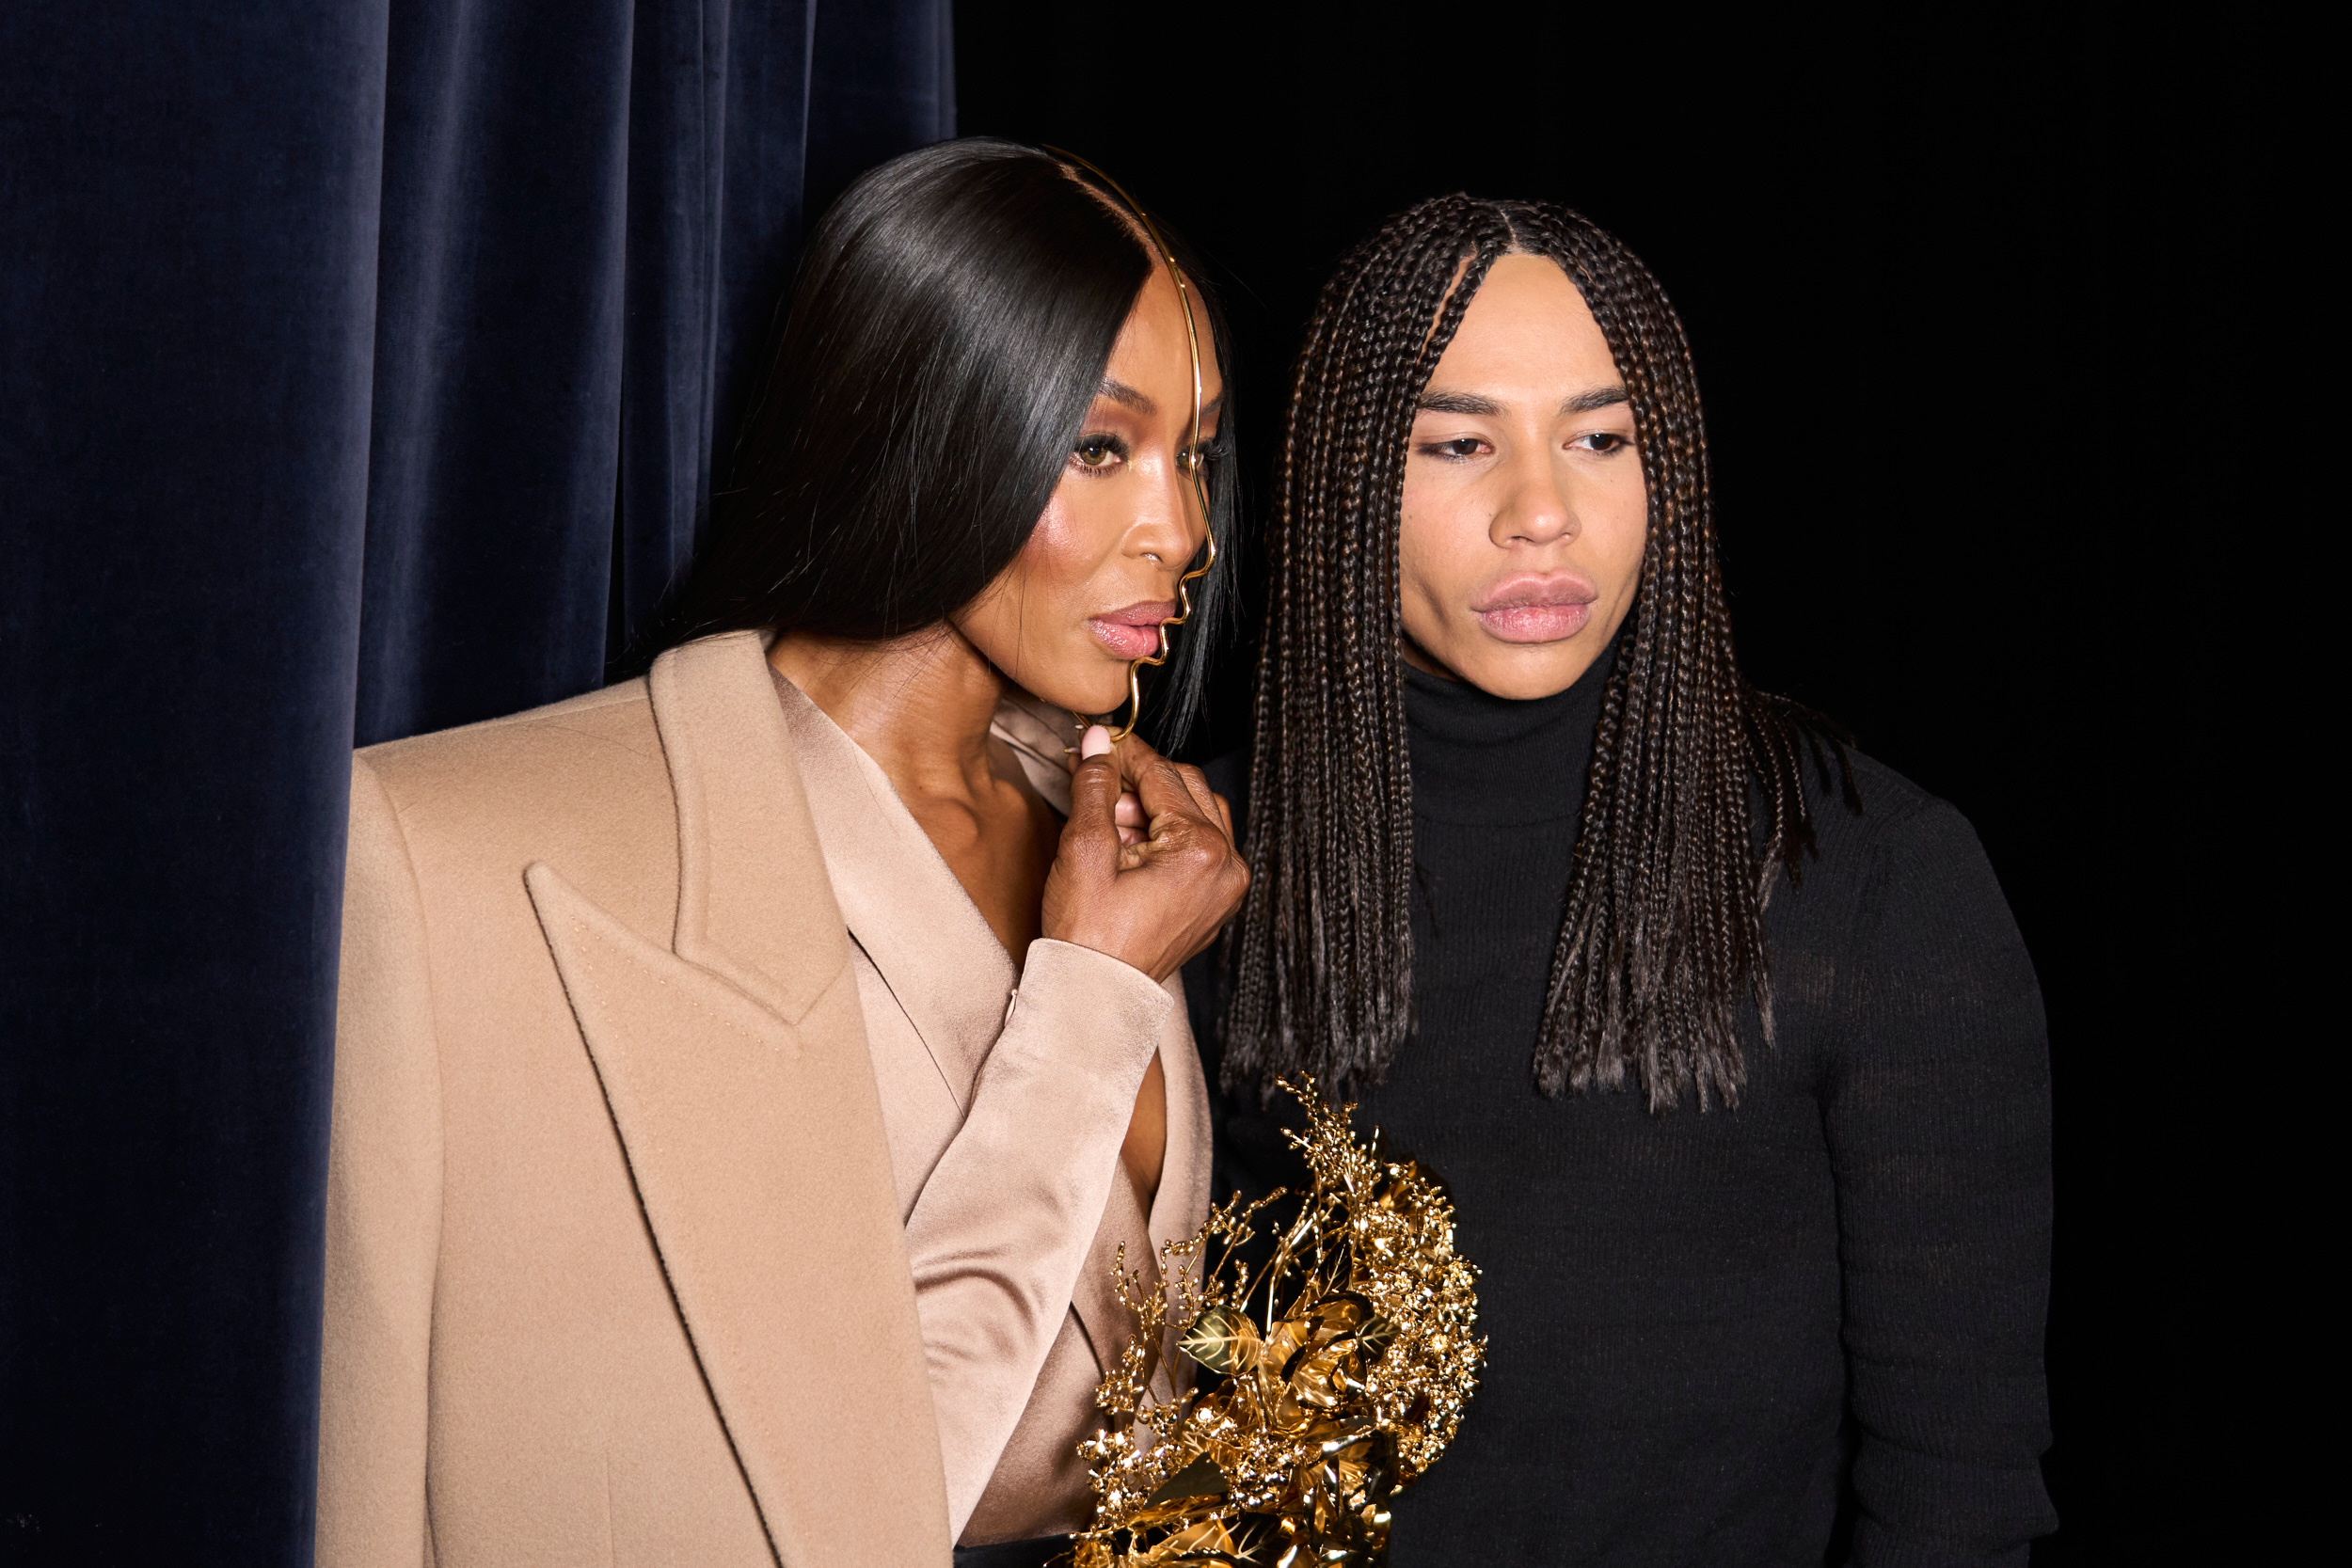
[1536,608]
[1135,631]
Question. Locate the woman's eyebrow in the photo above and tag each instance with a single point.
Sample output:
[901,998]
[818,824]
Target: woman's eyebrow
[1129,397]
[1126,396]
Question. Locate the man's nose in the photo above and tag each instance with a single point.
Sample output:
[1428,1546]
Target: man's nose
[1538,509]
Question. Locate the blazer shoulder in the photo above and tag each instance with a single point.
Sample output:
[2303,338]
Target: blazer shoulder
[583,785]
[545,756]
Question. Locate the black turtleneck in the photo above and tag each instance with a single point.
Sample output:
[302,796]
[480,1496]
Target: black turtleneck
[1801,1329]
[1498,788]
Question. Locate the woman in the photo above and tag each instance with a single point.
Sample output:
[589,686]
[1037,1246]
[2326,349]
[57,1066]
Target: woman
[678,1020]
[1723,1039]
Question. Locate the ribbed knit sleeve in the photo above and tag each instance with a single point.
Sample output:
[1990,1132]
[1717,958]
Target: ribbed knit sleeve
[1936,1103]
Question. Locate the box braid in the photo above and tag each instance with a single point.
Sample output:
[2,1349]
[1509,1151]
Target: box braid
[1662,937]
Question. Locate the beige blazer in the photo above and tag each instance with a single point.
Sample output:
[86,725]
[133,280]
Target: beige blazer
[705,1186]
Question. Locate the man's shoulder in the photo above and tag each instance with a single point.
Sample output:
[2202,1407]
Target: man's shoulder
[1865,809]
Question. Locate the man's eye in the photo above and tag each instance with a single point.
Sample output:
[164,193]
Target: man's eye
[1097,451]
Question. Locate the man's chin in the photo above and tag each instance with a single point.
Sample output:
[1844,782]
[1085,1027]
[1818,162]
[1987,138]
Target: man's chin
[1527,672]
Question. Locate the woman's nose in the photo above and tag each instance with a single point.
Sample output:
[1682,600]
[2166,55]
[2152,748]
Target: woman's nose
[1172,527]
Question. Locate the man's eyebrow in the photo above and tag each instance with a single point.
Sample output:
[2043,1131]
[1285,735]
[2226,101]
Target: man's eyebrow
[1486,407]
[1119,392]
[1459,402]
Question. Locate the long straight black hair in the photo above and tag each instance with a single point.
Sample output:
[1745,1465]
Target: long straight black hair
[1662,940]
[949,324]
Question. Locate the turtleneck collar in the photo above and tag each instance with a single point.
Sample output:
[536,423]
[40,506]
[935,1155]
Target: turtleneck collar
[1481,759]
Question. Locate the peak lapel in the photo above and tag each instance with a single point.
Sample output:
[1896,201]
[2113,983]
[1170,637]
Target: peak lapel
[737,1072]
[757,1150]
[753,901]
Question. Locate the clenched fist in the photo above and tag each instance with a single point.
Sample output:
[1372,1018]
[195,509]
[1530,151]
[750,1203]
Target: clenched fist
[1157,900]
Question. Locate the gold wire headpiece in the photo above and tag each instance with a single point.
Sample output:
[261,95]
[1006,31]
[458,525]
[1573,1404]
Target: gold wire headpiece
[1190,461]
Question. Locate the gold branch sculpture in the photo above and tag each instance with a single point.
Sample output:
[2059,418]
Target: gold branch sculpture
[1324,1382]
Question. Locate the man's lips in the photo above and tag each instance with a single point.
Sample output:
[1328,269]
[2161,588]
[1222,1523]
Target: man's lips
[1135,631]
[1532,609]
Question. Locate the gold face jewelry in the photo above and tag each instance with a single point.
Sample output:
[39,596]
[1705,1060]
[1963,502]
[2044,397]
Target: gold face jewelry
[1190,460]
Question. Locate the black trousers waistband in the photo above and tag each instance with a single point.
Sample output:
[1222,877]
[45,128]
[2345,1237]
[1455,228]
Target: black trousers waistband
[1013,1554]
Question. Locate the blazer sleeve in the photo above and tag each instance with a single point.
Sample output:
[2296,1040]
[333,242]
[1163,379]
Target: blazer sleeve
[1006,1219]
[1937,1108]
[383,1207]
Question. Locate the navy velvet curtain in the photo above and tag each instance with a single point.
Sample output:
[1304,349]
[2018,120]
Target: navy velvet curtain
[362,368]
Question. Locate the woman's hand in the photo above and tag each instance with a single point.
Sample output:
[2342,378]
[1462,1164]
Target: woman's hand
[1157,900]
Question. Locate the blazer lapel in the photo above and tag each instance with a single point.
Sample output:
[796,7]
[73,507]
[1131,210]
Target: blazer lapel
[753,902]
[737,1072]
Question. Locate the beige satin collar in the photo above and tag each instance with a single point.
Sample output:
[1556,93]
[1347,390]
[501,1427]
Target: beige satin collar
[903,906]
[1042,736]
[936,952]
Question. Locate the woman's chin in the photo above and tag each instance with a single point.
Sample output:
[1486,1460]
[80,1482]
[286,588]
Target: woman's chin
[1086,693]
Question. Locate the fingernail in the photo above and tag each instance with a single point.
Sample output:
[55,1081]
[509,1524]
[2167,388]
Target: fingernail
[1096,742]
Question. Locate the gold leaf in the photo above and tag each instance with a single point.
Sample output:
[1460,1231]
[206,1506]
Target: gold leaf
[1197,1482]
[1221,1338]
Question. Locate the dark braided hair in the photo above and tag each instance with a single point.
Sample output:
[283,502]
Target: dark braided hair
[1661,938]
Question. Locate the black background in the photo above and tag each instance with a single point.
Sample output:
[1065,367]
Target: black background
[1915,264]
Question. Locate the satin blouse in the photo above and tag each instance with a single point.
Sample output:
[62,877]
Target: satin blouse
[1006,1093]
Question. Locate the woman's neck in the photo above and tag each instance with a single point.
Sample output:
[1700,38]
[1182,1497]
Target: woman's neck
[919,705]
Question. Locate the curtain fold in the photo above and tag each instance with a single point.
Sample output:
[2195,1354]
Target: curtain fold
[362,368]
[590,210]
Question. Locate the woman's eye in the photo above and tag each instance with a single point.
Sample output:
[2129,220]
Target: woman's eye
[1602,441]
[1097,451]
